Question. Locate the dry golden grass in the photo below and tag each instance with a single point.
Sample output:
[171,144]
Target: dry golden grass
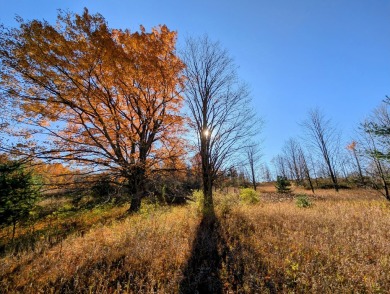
[336,246]
[137,254]
[53,228]
[325,194]
[333,247]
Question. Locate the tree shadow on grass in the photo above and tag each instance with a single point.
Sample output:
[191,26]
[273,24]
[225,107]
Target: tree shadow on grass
[202,272]
[220,262]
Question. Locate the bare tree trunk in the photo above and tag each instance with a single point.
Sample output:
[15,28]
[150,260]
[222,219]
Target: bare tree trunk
[253,156]
[314,170]
[280,165]
[218,106]
[358,166]
[382,177]
[291,154]
[208,204]
[207,173]
[303,162]
[322,135]
[253,177]
[333,176]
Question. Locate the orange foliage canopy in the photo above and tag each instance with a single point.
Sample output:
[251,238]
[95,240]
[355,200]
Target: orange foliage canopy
[102,96]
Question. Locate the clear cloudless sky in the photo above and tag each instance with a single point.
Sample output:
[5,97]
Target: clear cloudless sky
[294,55]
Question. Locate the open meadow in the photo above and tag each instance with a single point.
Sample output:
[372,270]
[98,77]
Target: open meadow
[339,244]
[194,147]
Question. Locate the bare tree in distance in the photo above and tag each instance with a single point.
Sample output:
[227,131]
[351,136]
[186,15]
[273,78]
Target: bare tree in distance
[219,108]
[265,173]
[312,167]
[291,154]
[279,163]
[305,167]
[321,135]
[253,156]
[352,147]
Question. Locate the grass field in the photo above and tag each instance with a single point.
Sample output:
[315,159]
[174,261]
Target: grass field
[338,245]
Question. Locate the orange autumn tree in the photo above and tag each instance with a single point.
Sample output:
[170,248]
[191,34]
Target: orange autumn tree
[104,97]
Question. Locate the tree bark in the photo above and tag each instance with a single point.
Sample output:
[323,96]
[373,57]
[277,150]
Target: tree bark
[358,166]
[383,178]
[137,189]
[135,204]
[253,177]
[207,177]
[208,204]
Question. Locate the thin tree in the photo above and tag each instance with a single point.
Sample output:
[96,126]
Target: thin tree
[291,154]
[376,133]
[97,96]
[280,164]
[252,153]
[219,107]
[305,167]
[371,151]
[322,136]
[266,173]
[313,167]
[352,147]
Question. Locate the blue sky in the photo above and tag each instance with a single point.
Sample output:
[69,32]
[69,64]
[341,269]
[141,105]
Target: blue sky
[294,55]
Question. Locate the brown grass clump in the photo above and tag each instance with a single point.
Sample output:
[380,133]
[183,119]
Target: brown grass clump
[335,246]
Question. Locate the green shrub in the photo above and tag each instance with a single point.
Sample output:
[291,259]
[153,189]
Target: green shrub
[303,201]
[226,202]
[197,196]
[248,195]
[282,184]
[19,190]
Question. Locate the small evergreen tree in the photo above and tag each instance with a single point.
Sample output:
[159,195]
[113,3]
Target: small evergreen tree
[282,184]
[18,193]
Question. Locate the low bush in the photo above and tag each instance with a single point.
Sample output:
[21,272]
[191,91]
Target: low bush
[303,201]
[249,196]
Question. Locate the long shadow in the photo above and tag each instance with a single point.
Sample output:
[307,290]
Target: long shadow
[219,256]
[202,272]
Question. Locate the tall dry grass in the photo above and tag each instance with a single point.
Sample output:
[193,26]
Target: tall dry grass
[139,254]
[335,246]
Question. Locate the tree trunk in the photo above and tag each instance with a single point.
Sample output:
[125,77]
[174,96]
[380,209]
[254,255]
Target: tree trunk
[387,195]
[135,204]
[208,203]
[332,174]
[383,178]
[335,184]
[310,183]
[359,167]
[307,172]
[253,176]
[136,189]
